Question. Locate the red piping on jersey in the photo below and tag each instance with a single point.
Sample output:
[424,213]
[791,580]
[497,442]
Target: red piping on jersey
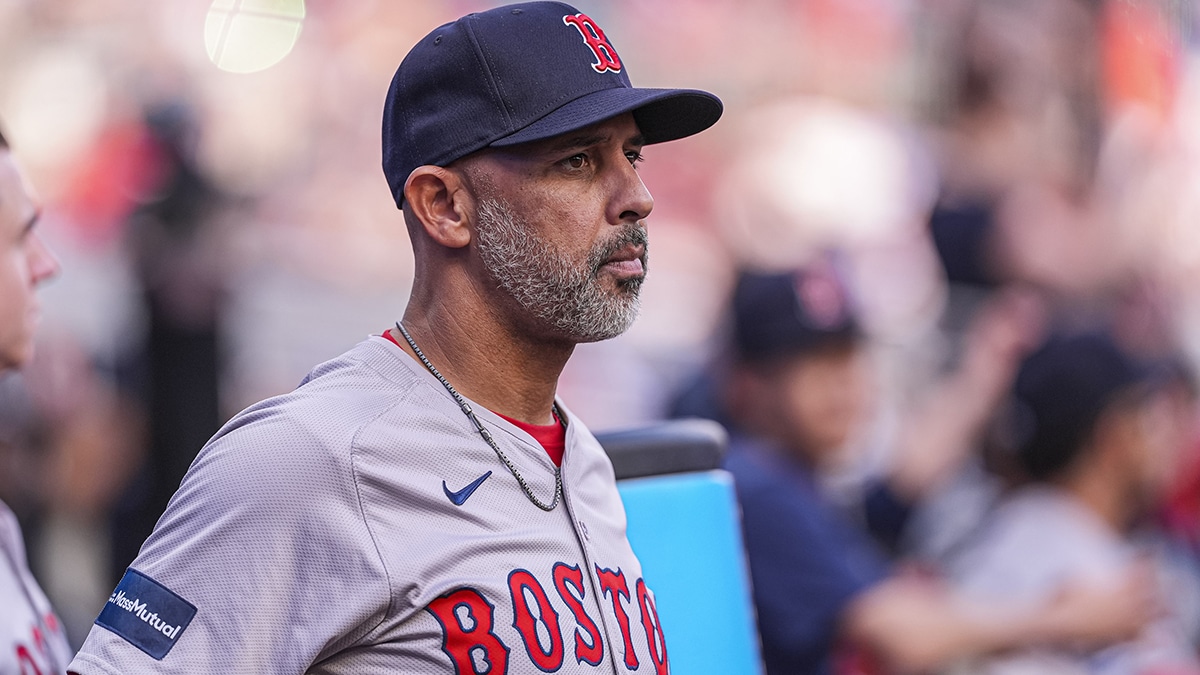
[552,437]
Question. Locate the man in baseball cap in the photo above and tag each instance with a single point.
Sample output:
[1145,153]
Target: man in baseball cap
[425,503]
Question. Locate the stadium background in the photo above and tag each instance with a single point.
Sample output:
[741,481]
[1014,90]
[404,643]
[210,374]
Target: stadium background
[222,231]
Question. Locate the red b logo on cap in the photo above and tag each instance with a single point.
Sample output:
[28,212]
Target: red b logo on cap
[606,56]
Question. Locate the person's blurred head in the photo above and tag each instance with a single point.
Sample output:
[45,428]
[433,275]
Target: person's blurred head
[800,376]
[25,262]
[1087,415]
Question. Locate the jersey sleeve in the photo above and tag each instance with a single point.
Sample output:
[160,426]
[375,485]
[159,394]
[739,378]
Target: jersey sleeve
[262,562]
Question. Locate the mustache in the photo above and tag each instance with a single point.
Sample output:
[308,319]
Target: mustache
[633,235]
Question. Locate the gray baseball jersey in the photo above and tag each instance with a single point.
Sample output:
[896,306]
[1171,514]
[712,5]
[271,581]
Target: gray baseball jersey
[31,637]
[361,525]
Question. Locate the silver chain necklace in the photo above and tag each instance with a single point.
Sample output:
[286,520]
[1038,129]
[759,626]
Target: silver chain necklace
[487,436]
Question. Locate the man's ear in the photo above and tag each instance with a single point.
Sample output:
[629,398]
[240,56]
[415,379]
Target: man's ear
[442,203]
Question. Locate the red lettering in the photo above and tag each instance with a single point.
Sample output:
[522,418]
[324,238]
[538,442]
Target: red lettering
[654,632]
[39,641]
[463,642]
[613,585]
[525,622]
[602,49]
[25,660]
[592,649]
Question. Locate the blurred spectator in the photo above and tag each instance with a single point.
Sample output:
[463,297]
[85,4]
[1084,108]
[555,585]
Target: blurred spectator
[31,637]
[1060,148]
[82,437]
[796,391]
[180,269]
[1049,133]
[1091,439]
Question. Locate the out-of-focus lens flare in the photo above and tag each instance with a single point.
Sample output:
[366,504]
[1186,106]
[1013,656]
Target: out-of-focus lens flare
[246,36]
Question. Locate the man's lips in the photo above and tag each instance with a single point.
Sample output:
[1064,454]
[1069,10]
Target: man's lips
[627,261]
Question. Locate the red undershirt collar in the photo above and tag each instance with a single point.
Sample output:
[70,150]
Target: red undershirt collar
[552,437]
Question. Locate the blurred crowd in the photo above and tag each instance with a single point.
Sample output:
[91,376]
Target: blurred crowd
[921,226]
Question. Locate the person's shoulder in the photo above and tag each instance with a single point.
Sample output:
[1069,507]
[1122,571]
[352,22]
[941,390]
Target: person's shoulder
[306,434]
[331,402]
[757,465]
[372,374]
[776,494]
[1048,519]
[282,466]
[1035,537]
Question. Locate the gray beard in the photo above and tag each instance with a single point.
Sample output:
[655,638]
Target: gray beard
[564,296]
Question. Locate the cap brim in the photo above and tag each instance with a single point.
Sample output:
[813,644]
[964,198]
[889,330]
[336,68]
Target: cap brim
[661,114]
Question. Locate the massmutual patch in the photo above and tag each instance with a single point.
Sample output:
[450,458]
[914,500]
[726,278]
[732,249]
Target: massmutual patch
[147,614]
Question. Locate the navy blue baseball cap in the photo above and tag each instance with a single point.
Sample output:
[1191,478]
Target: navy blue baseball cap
[1061,391]
[782,314]
[517,74]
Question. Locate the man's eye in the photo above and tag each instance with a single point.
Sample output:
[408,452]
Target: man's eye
[635,157]
[576,161]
